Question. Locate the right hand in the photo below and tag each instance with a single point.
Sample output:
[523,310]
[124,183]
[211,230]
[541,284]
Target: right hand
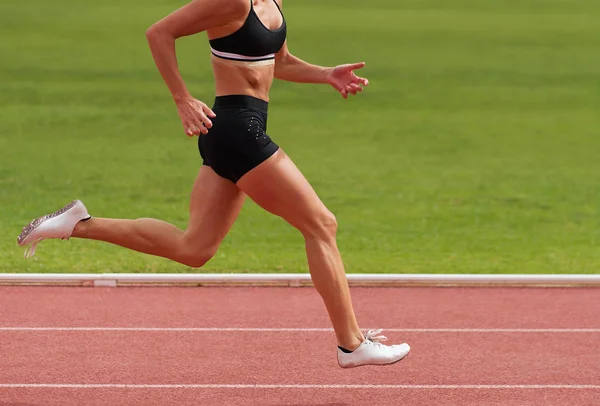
[194,116]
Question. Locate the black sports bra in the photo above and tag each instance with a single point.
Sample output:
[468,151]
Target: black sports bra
[253,42]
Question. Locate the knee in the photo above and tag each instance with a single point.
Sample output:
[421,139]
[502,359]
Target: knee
[322,225]
[196,257]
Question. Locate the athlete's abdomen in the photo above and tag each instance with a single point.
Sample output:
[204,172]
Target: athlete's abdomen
[252,79]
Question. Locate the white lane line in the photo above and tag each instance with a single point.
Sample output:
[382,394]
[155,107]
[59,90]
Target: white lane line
[306,330]
[276,386]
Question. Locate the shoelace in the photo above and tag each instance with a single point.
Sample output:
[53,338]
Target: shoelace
[30,250]
[372,336]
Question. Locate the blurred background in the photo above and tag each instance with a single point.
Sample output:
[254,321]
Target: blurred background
[475,148]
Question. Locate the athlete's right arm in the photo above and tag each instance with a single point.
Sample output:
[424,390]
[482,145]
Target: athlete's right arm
[195,17]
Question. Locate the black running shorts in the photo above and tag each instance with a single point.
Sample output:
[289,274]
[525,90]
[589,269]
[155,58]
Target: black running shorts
[237,141]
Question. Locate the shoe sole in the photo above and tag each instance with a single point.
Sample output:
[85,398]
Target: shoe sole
[28,229]
[376,365]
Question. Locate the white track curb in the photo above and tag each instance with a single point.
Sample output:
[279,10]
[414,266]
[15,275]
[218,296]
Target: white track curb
[296,280]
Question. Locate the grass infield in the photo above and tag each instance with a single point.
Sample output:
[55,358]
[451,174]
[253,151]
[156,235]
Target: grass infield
[475,149]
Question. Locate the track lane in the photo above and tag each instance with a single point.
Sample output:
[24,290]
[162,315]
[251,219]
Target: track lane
[456,357]
[300,307]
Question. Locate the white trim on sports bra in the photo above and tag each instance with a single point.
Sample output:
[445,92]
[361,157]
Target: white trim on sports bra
[238,57]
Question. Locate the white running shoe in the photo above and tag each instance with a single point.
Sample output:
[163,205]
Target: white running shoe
[372,352]
[59,224]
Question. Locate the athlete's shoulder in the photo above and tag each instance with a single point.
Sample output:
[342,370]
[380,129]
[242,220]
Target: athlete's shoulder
[232,4]
[228,6]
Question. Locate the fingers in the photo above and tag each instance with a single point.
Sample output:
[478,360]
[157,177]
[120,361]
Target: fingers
[362,81]
[354,66]
[203,123]
[195,127]
[195,118]
[357,79]
[351,88]
[203,113]
[355,88]
[192,129]
[208,111]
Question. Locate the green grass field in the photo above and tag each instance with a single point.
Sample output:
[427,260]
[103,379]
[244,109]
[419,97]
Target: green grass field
[476,148]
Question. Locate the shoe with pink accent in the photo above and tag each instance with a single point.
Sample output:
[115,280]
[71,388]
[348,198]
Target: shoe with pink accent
[372,352]
[59,224]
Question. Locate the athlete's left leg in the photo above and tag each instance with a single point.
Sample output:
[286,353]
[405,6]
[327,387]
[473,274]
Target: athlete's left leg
[214,205]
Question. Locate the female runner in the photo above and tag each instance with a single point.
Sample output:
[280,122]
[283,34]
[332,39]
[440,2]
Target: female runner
[248,49]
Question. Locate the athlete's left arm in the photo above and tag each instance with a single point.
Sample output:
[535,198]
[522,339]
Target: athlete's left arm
[293,69]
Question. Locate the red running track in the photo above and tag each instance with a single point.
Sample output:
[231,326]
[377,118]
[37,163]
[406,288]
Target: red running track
[209,346]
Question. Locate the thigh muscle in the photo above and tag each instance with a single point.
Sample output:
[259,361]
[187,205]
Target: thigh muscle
[215,204]
[279,187]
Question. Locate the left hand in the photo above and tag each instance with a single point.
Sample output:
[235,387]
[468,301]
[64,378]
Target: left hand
[343,79]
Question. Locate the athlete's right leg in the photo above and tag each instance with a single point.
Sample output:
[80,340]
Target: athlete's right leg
[214,206]
[280,188]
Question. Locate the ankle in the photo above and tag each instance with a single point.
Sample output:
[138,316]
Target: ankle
[81,228]
[351,343]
